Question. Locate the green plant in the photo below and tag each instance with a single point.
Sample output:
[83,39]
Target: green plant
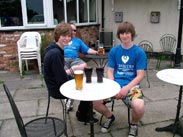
[45,40]
[14,64]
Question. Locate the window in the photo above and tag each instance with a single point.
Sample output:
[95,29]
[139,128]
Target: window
[16,14]
[10,13]
[35,12]
[92,10]
[58,11]
[75,11]
[71,10]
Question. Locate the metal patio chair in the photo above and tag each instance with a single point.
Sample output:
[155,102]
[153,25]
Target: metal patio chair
[147,46]
[39,127]
[167,43]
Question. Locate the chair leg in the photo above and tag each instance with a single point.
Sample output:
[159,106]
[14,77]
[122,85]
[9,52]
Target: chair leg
[26,63]
[147,79]
[158,62]
[47,110]
[112,105]
[39,64]
[100,123]
[128,117]
[20,67]
[64,116]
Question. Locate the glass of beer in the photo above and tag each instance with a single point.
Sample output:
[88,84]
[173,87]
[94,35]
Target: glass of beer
[100,74]
[78,76]
[88,73]
[101,50]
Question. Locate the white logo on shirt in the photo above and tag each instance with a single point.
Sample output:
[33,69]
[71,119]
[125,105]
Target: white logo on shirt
[125,59]
[70,43]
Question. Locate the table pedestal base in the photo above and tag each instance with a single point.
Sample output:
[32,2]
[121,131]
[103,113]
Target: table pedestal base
[175,129]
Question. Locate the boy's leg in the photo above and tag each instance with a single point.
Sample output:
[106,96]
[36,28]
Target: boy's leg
[78,64]
[134,99]
[103,109]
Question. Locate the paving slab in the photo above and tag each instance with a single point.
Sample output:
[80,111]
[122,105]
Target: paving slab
[30,95]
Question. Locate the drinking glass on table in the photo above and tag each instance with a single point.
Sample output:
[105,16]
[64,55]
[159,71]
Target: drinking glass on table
[88,74]
[100,74]
[78,76]
[101,50]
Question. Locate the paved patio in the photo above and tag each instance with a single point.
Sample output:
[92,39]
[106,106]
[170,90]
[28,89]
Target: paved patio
[30,95]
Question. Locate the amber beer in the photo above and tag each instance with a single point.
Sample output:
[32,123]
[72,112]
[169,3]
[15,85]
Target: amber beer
[78,76]
[101,51]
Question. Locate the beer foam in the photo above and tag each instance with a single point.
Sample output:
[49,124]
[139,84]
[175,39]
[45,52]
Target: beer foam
[78,72]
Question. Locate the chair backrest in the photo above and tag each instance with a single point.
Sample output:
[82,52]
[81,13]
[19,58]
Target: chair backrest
[16,113]
[107,39]
[146,45]
[167,43]
[30,40]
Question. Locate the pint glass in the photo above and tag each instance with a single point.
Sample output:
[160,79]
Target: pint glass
[88,74]
[100,74]
[78,76]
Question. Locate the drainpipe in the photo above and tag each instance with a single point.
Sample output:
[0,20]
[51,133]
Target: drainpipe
[102,26]
[178,49]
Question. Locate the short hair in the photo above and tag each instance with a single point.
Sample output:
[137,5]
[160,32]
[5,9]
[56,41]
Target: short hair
[126,27]
[62,29]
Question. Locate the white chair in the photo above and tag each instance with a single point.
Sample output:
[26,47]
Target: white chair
[29,46]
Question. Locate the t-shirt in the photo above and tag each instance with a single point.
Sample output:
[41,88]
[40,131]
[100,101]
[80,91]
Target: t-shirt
[75,46]
[126,62]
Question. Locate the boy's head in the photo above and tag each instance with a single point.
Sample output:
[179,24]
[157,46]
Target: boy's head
[126,27]
[62,29]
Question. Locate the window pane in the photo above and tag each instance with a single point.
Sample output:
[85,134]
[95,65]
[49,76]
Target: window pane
[71,11]
[58,11]
[83,12]
[10,13]
[35,12]
[92,10]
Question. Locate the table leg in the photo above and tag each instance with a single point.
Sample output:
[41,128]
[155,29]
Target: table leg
[91,120]
[175,128]
[95,62]
[103,62]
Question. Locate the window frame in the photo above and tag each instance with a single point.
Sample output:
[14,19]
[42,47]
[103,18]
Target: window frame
[48,16]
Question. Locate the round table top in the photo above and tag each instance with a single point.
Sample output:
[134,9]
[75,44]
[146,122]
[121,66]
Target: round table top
[91,91]
[173,76]
[94,56]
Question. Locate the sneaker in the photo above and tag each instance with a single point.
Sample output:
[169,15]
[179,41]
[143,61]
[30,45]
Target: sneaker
[107,124]
[133,131]
[69,104]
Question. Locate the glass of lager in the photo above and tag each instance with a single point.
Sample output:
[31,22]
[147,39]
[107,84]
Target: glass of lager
[101,50]
[78,76]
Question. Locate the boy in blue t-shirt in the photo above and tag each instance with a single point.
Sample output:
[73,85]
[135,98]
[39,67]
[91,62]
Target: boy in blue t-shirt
[126,65]
[72,60]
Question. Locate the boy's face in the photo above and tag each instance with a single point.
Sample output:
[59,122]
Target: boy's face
[126,37]
[73,30]
[64,40]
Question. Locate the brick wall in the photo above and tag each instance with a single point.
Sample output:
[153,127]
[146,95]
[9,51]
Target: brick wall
[9,55]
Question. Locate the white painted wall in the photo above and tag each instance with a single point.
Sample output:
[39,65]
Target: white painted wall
[138,12]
